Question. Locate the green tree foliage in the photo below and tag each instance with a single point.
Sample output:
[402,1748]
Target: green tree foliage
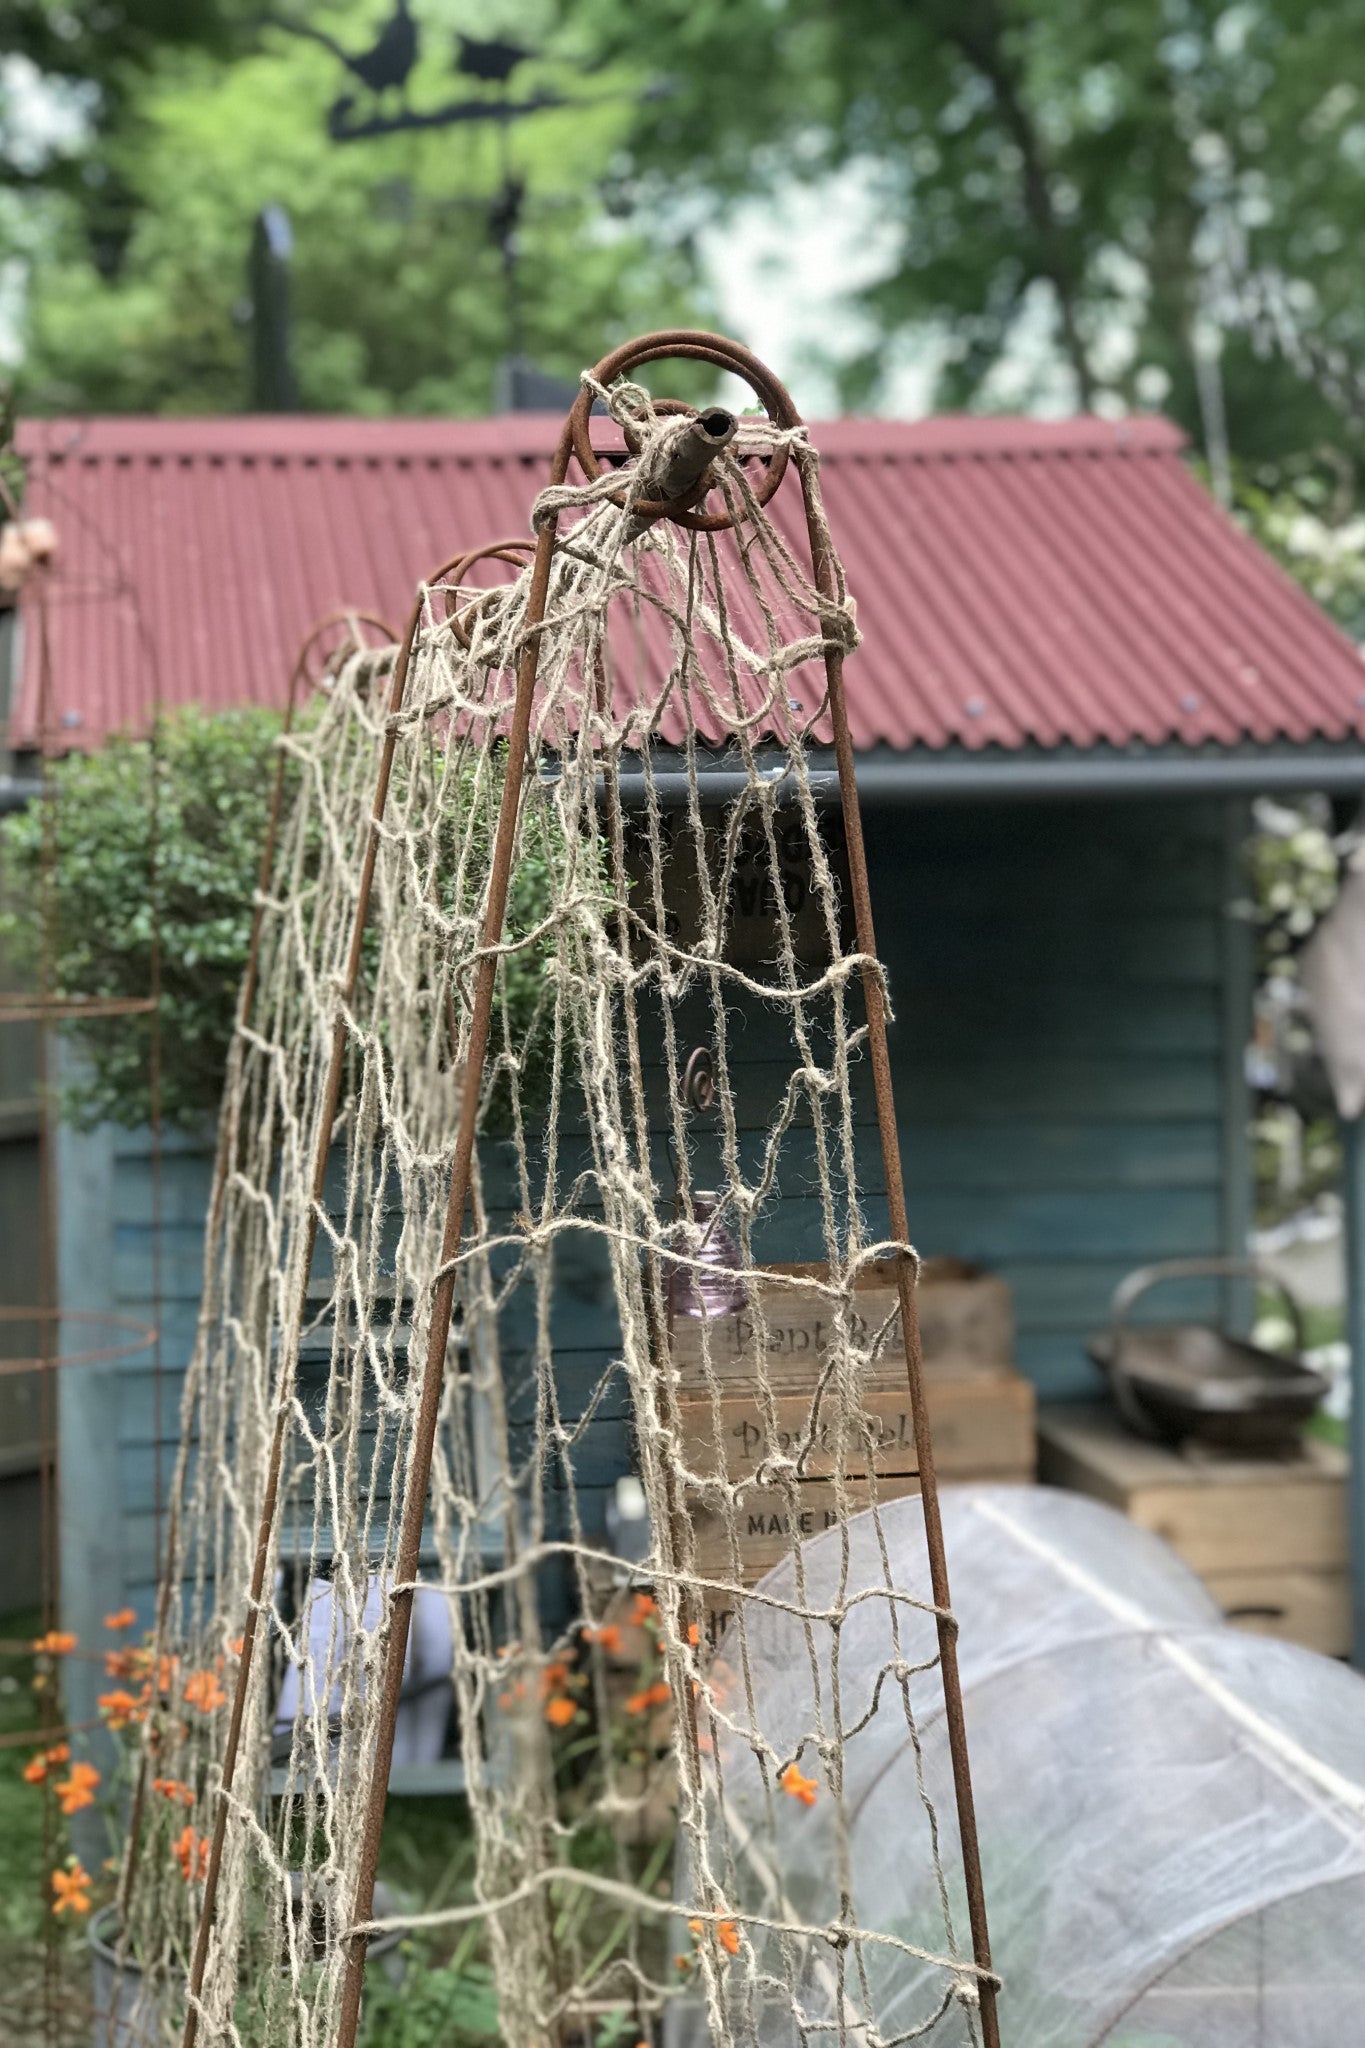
[1304,512]
[135,293]
[142,864]
[81,878]
[1120,171]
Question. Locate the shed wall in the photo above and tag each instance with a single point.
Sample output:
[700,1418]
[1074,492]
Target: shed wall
[1072,997]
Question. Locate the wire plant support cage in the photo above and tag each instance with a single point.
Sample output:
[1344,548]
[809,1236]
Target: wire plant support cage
[459,1069]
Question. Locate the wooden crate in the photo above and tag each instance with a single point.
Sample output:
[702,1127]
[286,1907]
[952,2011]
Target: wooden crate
[982,1426]
[966,1325]
[1308,1607]
[966,1318]
[769,1525]
[1263,1533]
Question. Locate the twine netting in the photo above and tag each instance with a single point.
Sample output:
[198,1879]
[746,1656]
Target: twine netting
[620,1230]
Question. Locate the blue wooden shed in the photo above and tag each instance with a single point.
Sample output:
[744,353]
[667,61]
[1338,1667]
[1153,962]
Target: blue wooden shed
[1076,674]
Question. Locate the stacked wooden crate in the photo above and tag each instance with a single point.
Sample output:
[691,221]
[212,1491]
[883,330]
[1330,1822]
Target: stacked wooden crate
[1267,1535]
[981,1411]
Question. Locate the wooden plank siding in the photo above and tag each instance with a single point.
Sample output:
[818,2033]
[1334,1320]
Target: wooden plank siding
[1072,999]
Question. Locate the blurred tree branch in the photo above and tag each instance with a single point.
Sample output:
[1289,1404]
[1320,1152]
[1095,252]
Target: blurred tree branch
[1156,170]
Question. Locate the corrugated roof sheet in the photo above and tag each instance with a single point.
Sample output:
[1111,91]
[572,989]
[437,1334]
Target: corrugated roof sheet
[1019,583]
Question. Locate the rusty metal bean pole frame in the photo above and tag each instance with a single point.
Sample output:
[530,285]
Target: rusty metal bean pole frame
[453,570]
[575,441]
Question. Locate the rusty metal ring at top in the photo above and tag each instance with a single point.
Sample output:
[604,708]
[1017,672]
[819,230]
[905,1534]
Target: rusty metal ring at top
[699,347]
[514,552]
[348,618]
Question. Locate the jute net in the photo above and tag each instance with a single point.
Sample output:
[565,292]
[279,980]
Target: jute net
[400,1439]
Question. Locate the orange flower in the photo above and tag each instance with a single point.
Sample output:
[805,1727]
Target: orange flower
[124,1618]
[693,1634]
[60,1753]
[560,1711]
[202,1690]
[797,1787]
[71,1889]
[120,1663]
[554,1677]
[727,1934]
[656,1695]
[160,1681]
[235,1646]
[192,1854]
[172,1789]
[35,1770]
[79,1789]
[118,1708]
[56,1643]
[645,1608]
[608,1638]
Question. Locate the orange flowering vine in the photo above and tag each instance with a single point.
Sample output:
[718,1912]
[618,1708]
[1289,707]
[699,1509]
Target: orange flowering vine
[560,1711]
[124,1618]
[119,1708]
[656,1695]
[56,1643]
[71,1889]
[644,1609]
[192,1854]
[39,1768]
[202,1690]
[798,1787]
[77,1790]
[726,1931]
[607,1637]
[171,1788]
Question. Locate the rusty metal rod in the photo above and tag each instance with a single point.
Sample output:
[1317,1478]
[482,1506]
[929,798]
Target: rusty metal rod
[731,356]
[443,1299]
[454,568]
[270,1498]
[245,1003]
[875,1002]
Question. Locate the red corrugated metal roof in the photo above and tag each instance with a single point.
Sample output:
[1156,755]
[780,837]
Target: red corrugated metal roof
[1018,582]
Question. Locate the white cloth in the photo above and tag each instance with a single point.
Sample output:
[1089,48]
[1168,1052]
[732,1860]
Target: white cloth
[419,1733]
